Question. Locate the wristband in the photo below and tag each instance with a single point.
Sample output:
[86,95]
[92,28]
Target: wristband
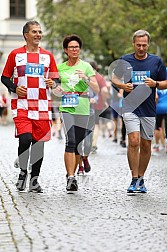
[157,84]
[87,80]
[55,85]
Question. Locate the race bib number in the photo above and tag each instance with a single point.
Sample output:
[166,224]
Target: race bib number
[138,77]
[33,69]
[70,100]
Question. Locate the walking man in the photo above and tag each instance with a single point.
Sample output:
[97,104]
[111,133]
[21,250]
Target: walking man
[29,73]
[139,107]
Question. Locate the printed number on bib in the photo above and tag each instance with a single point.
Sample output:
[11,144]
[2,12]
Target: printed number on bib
[33,69]
[138,77]
[70,100]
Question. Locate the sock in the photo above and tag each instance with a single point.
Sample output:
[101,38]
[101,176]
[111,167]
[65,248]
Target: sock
[71,176]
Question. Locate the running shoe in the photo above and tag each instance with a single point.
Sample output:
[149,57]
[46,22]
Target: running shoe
[133,186]
[71,184]
[21,182]
[87,166]
[155,148]
[94,150]
[16,163]
[34,186]
[80,170]
[115,140]
[123,144]
[141,186]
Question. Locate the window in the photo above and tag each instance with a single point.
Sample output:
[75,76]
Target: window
[17,8]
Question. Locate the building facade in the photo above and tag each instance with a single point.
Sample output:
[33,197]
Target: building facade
[13,15]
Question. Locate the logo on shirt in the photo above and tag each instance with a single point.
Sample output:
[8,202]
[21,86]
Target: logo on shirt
[42,58]
[19,59]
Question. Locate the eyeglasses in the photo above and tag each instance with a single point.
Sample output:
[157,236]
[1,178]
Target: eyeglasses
[73,47]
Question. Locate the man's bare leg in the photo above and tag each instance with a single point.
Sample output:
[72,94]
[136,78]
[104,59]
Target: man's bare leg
[145,154]
[133,152]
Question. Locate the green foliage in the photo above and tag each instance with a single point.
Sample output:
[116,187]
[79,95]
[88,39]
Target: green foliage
[105,26]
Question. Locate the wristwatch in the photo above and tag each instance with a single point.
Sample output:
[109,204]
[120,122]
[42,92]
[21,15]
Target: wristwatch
[157,84]
[87,80]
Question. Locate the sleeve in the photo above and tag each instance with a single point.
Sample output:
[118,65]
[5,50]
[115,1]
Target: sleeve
[53,73]
[8,83]
[9,66]
[90,71]
[8,73]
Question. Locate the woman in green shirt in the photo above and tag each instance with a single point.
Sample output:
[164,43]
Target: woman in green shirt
[76,77]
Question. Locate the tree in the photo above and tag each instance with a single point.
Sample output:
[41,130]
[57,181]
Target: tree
[105,26]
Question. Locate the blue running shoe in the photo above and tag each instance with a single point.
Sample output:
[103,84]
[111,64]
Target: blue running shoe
[133,186]
[141,186]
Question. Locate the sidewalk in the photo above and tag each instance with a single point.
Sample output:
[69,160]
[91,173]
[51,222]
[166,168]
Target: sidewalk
[100,217]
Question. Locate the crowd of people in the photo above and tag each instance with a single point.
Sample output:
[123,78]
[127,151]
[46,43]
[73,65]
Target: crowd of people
[48,99]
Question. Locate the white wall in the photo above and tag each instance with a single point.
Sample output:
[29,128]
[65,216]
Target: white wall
[31,11]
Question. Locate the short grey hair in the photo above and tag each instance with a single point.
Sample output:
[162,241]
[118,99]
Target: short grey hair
[141,33]
[26,27]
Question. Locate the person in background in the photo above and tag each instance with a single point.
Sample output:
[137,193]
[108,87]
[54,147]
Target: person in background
[56,121]
[115,105]
[160,132]
[123,128]
[28,74]
[101,105]
[84,165]
[4,108]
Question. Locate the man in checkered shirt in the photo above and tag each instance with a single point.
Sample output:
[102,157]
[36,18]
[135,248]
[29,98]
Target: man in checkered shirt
[29,73]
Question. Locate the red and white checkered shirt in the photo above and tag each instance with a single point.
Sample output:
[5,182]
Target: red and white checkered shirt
[29,70]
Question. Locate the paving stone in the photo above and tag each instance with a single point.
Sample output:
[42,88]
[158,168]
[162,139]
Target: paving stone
[100,217]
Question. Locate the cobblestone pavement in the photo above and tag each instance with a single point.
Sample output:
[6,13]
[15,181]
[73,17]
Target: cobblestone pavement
[100,217]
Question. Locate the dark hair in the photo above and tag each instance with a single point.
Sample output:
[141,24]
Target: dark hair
[70,38]
[26,27]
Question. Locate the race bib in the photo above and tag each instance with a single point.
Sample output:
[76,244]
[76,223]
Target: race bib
[70,100]
[138,77]
[33,69]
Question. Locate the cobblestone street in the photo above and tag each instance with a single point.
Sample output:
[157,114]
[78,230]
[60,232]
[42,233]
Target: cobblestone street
[100,217]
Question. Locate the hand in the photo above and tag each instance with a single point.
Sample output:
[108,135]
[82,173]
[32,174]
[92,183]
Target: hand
[49,83]
[128,87]
[57,91]
[21,91]
[150,82]
[81,74]
[92,101]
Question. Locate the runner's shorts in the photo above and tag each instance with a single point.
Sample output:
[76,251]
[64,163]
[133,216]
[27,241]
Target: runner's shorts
[40,129]
[144,125]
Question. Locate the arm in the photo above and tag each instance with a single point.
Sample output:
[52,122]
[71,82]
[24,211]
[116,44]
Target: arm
[20,91]
[8,83]
[120,93]
[158,84]
[93,84]
[90,81]
[52,83]
[105,94]
[116,81]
